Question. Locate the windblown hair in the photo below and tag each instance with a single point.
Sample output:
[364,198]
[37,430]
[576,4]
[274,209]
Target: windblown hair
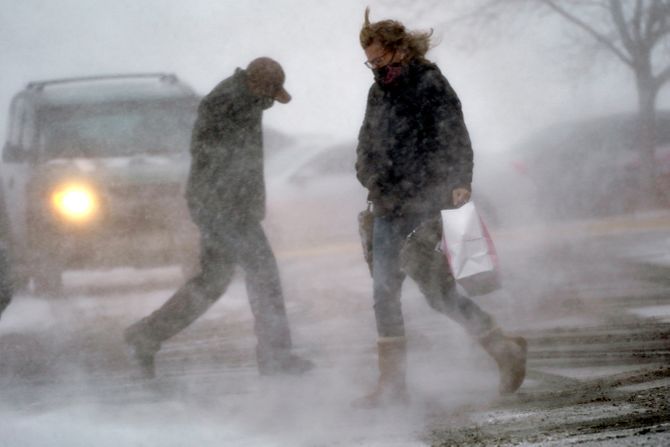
[393,36]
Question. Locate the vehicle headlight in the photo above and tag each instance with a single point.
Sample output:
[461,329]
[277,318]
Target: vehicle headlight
[75,202]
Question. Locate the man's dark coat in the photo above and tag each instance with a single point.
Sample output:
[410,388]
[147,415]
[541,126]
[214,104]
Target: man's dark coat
[226,182]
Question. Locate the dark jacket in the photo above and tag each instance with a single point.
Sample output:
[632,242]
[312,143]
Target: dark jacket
[413,146]
[225,183]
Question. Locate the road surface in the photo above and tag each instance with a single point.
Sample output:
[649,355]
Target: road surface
[592,298]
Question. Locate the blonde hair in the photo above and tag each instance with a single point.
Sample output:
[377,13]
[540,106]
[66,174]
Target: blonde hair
[393,35]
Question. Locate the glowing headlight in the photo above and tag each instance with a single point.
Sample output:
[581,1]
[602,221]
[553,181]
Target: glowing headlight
[75,202]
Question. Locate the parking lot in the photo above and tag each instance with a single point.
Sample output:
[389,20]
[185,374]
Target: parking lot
[592,300]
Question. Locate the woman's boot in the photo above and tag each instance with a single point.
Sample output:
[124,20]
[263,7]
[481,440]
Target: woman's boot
[510,355]
[391,387]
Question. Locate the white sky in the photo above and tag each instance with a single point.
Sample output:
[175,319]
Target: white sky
[506,89]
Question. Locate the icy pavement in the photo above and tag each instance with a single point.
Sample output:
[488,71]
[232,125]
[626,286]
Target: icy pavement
[661,313]
[599,341]
[63,369]
[598,367]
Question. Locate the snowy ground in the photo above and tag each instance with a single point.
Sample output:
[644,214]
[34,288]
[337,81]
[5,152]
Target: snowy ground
[598,333]
[66,379]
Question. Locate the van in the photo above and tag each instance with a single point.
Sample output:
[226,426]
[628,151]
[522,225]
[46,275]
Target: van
[93,173]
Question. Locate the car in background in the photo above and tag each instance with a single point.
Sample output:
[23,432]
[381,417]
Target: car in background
[93,172]
[313,195]
[581,169]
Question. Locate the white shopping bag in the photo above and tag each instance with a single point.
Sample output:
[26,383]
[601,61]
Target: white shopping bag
[469,249]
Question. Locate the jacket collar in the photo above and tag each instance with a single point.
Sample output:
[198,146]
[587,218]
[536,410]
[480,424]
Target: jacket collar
[240,79]
[412,72]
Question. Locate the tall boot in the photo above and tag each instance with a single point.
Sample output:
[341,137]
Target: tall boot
[391,387]
[510,354]
[144,338]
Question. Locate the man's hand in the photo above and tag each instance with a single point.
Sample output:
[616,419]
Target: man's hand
[460,196]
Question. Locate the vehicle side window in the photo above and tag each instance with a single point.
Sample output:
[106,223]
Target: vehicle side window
[16,116]
[28,130]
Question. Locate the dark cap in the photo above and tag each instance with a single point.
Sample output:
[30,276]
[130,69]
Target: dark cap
[265,77]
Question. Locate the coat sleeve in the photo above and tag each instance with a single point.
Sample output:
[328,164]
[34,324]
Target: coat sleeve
[450,157]
[369,168]
[210,152]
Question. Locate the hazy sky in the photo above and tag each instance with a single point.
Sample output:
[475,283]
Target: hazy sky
[506,89]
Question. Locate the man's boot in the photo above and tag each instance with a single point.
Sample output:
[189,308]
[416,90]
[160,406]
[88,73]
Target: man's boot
[280,361]
[391,387]
[510,354]
[142,349]
[144,338]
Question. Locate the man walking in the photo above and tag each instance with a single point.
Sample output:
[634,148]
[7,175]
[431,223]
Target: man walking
[226,199]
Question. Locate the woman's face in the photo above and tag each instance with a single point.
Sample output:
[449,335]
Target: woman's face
[378,56]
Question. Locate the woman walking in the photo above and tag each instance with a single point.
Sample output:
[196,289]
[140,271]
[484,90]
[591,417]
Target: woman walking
[415,158]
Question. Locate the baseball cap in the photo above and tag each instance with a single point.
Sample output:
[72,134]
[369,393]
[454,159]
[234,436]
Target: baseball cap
[266,77]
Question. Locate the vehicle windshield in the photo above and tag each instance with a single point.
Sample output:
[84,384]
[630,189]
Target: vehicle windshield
[113,130]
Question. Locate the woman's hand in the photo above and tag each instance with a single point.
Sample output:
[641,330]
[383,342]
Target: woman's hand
[460,196]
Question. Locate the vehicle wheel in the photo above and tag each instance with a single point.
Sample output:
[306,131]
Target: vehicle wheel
[48,281]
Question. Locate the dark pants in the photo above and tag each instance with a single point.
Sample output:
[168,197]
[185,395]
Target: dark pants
[221,249]
[396,255]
